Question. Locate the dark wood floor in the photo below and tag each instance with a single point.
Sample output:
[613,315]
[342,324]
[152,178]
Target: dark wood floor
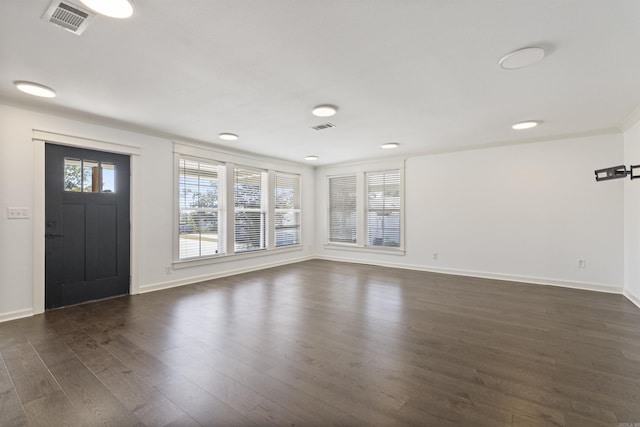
[322,343]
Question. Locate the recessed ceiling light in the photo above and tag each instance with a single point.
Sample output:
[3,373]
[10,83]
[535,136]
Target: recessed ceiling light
[35,89]
[112,8]
[526,125]
[390,145]
[522,58]
[325,110]
[228,136]
[311,158]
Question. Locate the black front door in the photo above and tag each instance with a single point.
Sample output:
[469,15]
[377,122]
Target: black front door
[87,225]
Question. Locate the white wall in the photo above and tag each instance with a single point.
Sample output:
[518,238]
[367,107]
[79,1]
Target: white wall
[524,212]
[155,208]
[632,217]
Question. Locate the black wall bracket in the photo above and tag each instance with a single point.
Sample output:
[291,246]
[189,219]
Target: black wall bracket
[616,172]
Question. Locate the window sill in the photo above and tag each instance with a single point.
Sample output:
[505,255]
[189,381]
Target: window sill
[217,259]
[369,249]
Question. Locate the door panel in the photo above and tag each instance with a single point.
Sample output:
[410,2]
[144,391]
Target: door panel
[106,241]
[87,225]
[72,246]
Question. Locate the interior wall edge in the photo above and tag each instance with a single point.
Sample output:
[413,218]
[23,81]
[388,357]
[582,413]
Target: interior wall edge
[635,299]
[585,286]
[631,120]
[597,287]
[196,279]
[17,314]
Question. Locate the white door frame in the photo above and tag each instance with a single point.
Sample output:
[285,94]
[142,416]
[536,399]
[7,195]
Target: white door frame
[39,140]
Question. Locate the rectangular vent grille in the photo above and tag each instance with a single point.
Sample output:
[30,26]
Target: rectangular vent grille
[67,16]
[323,126]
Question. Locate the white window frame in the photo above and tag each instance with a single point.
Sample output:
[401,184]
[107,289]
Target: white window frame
[357,210]
[368,209]
[360,170]
[221,211]
[293,210]
[263,210]
[226,204]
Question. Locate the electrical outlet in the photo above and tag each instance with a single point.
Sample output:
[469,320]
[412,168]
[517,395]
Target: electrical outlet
[435,255]
[582,263]
[168,269]
[17,213]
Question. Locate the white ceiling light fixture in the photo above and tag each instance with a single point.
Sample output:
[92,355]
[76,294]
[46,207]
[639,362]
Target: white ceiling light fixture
[522,58]
[35,89]
[228,136]
[311,158]
[390,145]
[325,110]
[529,124]
[119,9]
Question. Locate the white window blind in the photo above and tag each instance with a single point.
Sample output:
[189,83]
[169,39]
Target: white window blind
[342,209]
[250,209]
[287,209]
[198,196]
[383,208]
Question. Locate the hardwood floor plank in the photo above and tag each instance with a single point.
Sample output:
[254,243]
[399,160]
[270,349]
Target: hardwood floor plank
[11,410]
[54,409]
[183,421]
[227,390]
[319,413]
[323,343]
[270,413]
[201,405]
[148,405]
[30,376]
[90,398]
[367,407]
[147,366]
[259,382]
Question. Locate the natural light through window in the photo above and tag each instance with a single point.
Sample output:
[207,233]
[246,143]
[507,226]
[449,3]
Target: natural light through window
[287,209]
[250,216]
[199,194]
[383,208]
[89,176]
[342,209]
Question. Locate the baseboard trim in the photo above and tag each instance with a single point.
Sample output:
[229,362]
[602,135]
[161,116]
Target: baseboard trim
[587,286]
[635,299]
[202,278]
[18,314]
[632,297]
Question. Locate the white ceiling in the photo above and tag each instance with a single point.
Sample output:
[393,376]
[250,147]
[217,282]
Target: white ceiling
[420,72]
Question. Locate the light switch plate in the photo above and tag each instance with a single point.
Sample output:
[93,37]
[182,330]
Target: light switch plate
[17,213]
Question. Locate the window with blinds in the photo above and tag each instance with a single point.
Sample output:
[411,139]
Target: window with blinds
[287,209]
[383,208]
[198,196]
[342,209]
[250,218]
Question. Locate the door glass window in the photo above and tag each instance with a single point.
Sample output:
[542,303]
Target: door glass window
[88,176]
[73,175]
[108,178]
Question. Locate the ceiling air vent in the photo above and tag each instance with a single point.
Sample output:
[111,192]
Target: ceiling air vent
[68,16]
[323,126]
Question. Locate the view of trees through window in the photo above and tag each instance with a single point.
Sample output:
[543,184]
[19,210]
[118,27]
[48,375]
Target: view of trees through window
[88,176]
[260,208]
[198,204]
